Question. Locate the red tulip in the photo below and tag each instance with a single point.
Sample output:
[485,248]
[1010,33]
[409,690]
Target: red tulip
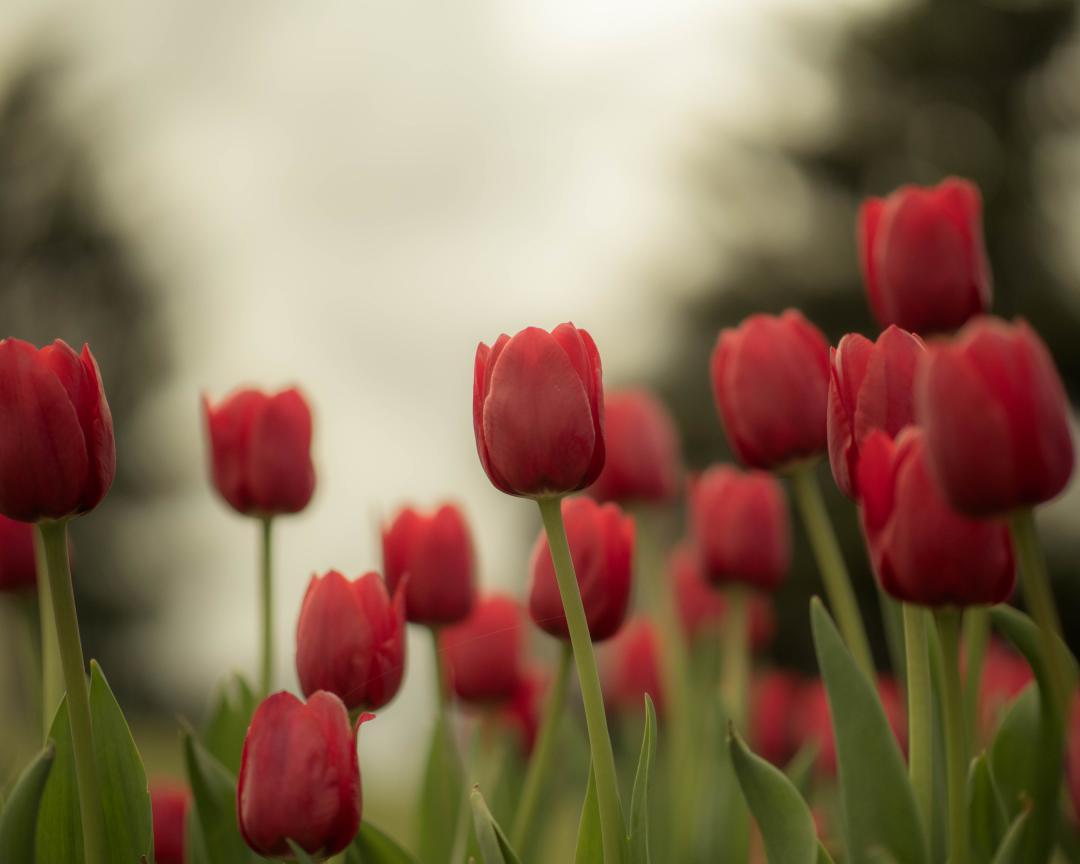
[770,378]
[436,552]
[17,570]
[773,697]
[601,542]
[644,461]
[522,713]
[922,550]
[260,448]
[484,654]
[741,527]
[996,418]
[631,667]
[702,606]
[871,386]
[299,777]
[350,639]
[57,453]
[923,258]
[538,411]
[169,802]
[1004,675]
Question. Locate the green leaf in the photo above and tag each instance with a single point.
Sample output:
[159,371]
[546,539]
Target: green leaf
[18,821]
[373,846]
[800,770]
[785,821]
[299,854]
[1013,751]
[986,816]
[639,802]
[494,846]
[234,704]
[59,828]
[441,796]
[124,792]
[590,842]
[878,802]
[1011,849]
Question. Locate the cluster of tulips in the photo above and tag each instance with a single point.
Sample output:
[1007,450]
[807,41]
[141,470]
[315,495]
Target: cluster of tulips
[944,444]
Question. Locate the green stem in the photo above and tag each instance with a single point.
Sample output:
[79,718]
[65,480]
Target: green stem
[541,757]
[976,635]
[948,624]
[1040,600]
[735,675]
[52,683]
[831,564]
[54,542]
[266,598]
[612,827]
[920,710]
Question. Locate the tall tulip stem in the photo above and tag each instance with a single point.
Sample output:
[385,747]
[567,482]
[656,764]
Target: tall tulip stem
[956,757]
[52,681]
[830,562]
[735,657]
[266,599]
[920,709]
[543,752]
[55,545]
[612,827]
[976,635]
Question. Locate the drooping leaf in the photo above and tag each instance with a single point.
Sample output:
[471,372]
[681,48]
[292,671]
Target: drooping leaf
[494,846]
[1012,845]
[878,801]
[59,828]
[590,842]
[986,816]
[18,820]
[373,846]
[639,802]
[234,704]
[781,813]
[441,796]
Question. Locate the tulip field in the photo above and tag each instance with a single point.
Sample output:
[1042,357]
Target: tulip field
[650,730]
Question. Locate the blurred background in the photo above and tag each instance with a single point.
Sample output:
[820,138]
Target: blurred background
[350,195]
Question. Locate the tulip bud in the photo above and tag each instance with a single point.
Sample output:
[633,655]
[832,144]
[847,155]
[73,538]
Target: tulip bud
[57,452]
[260,449]
[741,527]
[922,550]
[996,418]
[299,776]
[631,667]
[773,697]
[522,713]
[538,411]
[601,543]
[923,258]
[350,639]
[770,378]
[436,552]
[17,569]
[169,803]
[702,607]
[871,386]
[643,461]
[484,654]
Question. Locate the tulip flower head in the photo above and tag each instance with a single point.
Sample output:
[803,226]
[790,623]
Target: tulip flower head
[601,543]
[631,667]
[299,777]
[644,460]
[922,550]
[17,568]
[169,803]
[57,451]
[436,552]
[770,379]
[1004,674]
[871,386]
[773,702]
[996,418]
[538,411]
[350,639]
[741,527]
[484,654]
[260,451]
[923,257]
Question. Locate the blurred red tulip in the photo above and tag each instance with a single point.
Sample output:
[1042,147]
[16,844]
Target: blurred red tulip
[299,777]
[631,667]
[17,569]
[169,802]
[871,386]
[484,654]
[923,257]
[1072,756]
[1004,674]
[350,639]
[773,702]
[741,527]
[996,418]
[522,713]
[770,378]
[922,550]
[538,411]
[260,448]
[57,452]
[644,459]
[436,552]
[601,543]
